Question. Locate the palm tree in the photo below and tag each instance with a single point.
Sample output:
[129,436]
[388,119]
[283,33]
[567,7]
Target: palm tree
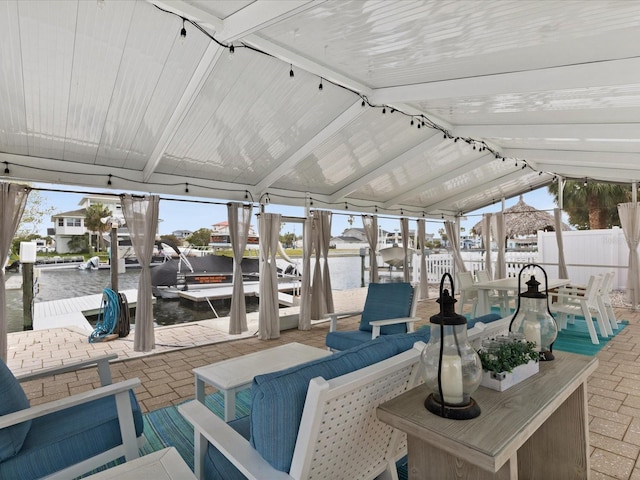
[92,221]
[591,205]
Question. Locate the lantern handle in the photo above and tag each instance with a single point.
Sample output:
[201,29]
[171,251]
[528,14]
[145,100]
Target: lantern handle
[453,290]
[546,290]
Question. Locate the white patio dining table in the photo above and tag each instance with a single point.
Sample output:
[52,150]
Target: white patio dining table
[503,286]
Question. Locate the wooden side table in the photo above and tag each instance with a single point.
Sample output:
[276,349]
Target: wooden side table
[166,464]
[536,429]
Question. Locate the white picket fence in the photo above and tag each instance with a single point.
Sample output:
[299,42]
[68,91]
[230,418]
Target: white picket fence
[587,252]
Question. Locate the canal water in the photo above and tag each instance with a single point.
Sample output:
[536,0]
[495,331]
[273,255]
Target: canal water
[58,284]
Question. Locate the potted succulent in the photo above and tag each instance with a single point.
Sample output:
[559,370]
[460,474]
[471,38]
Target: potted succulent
[506,362]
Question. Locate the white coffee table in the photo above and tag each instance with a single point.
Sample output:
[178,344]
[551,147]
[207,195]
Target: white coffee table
[166,464]
[236,374]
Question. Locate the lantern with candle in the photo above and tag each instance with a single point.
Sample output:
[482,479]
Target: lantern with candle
[532,317]
[451,367]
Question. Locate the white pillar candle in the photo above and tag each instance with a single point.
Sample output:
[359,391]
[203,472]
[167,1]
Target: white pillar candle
[532,333]
[452,379]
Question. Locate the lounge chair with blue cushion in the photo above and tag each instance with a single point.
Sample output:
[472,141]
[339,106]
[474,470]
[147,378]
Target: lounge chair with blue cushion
[69,437]
[388,309]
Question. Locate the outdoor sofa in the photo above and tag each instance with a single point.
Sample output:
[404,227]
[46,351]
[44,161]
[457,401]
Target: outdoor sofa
[270,431]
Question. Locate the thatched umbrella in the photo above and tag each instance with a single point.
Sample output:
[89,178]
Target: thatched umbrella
[522,220]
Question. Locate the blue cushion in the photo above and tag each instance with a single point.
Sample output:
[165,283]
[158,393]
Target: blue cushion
[12,399]
[216,465]
[346,339]
[488,318]
[278,398]
[387,300]
[67,437]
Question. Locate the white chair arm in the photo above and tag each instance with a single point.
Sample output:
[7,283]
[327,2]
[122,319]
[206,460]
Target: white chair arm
[67,402]
[229,442]
[334,317]
[376,324]
[102,363]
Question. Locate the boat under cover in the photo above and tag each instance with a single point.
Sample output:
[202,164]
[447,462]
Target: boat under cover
[185,273]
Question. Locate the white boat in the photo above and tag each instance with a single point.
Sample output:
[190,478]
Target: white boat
[393,253]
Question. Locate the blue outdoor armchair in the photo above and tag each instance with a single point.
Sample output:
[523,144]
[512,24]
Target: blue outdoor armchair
[69,437]
[388,309]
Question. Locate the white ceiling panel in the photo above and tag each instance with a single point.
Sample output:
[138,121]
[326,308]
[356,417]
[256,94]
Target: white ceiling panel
[91,89]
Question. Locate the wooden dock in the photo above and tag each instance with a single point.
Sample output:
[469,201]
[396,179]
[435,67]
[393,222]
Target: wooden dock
[251,289]
[73,311]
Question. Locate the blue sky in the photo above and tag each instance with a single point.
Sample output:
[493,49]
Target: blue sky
[192,216]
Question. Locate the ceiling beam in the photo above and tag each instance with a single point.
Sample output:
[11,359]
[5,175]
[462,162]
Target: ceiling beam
[186,10]
[427,145]
[195,85]
[579,131]
[589,75]
[262,14]
[322,136]
[466,167]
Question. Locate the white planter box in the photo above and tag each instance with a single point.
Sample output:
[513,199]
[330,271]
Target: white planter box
[504,380]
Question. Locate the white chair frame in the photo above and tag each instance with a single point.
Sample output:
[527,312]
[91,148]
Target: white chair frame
[130,444]
[583,301]
[331,451]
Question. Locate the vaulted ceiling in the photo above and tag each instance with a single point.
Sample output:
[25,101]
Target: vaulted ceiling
[431,107]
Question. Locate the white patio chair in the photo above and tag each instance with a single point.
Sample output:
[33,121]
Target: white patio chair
[604,300]
[468,293]
[572,301]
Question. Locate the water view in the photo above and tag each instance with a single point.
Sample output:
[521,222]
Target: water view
[56,284]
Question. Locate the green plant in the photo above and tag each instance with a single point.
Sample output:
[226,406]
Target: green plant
[507,356]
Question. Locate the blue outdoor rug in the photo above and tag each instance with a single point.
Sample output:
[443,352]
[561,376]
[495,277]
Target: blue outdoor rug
[575,338]
[166,427]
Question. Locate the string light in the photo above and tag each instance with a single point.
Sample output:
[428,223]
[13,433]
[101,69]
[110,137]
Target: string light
[6,168]
[320,86]
[186,188]
[183,31]
[585,182]
[291,74]
[109,181]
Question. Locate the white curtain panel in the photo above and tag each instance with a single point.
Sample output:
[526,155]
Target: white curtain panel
[239,216]
[424,280]
[404,229]
[304,323]
[370,223]
[486,240]
[325,225]
[501,262]
[141,215]
[318,302]
[269,318]
[562,265]
[630,221]
[13,198]
[452,235]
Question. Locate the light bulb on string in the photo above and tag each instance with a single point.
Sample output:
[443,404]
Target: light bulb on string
[6,168]
[320,86]
[291,74]
[183,31]
[232,50]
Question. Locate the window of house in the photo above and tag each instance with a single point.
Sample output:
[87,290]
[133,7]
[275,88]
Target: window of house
[74,222]
[61,222]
